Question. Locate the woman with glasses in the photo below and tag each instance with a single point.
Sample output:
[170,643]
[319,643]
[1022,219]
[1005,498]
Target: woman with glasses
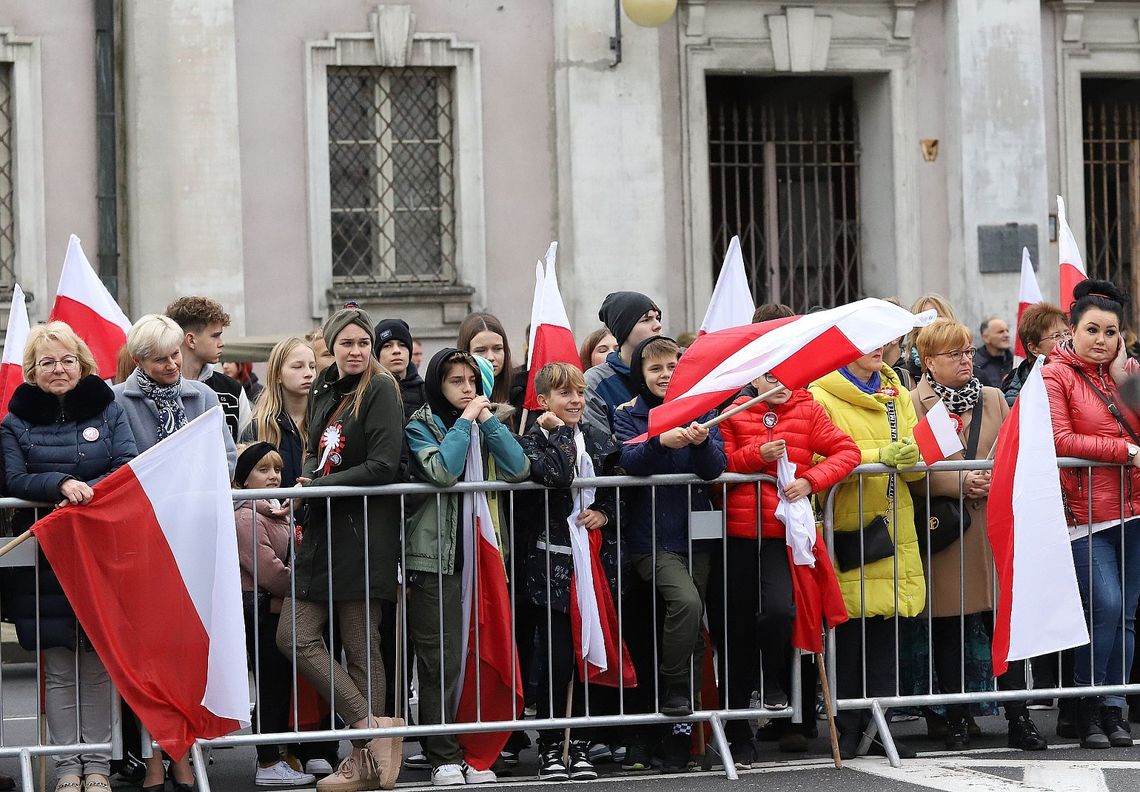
[1041,327]
[880,575]
[960,575]
[63,433]
[1102,504]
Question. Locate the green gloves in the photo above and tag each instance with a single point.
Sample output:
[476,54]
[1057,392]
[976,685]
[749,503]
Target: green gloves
[899,454]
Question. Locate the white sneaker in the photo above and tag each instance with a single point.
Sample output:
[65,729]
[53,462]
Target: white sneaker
[281,775]
[318,767]
[448,775]
[474,776]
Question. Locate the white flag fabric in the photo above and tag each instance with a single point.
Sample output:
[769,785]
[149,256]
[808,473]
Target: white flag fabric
[936,435]
[593,638]
[797,517]
[1069,255]
[731,304]
[12,365]
[1028,293]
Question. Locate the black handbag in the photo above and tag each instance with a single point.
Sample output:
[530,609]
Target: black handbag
[946,512]
[869,544]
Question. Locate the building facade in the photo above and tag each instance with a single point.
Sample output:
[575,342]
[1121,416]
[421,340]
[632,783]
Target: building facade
[285,156]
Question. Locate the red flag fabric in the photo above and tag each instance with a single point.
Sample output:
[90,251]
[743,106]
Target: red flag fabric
[796,350]
[150,568]
[1029,293]
[817,597]
[84,303]
[618,670]
[936,435]
[551,340]
[1069,255]
[12,362]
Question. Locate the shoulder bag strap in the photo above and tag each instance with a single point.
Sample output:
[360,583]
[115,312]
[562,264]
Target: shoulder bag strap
[1110,404]
[975,430]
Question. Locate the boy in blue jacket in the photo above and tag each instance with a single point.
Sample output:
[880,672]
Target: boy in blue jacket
[658,538]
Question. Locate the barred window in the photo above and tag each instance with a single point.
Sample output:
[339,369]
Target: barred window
[7,184]
[391,174]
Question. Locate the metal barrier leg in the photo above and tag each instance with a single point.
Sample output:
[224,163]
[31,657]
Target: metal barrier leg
[880,720]
[795,697]
[200,777]
[26,770]
[722,747]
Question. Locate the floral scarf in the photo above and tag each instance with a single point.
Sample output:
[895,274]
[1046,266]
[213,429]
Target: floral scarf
[167,399]
[957,400]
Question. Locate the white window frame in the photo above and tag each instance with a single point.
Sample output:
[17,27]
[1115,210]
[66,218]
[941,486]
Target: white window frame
[392,42]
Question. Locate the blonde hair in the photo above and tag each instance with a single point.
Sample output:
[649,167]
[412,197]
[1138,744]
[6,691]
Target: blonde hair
[153,336]
[274,458]
[271,403]
[60,333]
[556,376]
[941,305]
[941,335]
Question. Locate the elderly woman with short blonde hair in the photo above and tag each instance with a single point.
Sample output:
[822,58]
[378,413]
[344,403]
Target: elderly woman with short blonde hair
[63,432]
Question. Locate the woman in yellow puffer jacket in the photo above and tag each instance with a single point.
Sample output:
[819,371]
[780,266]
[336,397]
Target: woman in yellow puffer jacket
[866,400]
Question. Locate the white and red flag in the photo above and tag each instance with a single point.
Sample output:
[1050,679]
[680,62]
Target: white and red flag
[551,340]
[150,567]
[1039,605]
[936,435]
[731,304]
[1072,265]
[796,350]
[84,303]
[12,362]
[490,687]
[1029,293]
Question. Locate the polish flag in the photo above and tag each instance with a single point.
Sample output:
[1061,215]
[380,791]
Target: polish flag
[1028,294]
[1072,266]
[936,435]
[796,350]
[12,362]
[491,686]
[1039,605]
[84,303]
[150,567]
[731,304]
[551,340]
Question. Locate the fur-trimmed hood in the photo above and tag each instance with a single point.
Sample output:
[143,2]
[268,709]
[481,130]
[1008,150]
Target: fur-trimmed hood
[88,398]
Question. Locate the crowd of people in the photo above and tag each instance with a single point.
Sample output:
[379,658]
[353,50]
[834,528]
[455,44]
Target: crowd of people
[350,405]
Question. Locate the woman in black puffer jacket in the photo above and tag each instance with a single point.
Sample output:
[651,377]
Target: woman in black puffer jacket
[63,433]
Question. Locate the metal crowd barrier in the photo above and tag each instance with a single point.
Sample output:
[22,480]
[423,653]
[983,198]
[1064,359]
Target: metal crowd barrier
[617,713]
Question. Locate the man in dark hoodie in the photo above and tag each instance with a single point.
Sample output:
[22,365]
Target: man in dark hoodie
[394,351]
[631,317]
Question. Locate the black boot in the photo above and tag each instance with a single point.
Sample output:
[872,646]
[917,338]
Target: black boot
[1024,735]
[957,730]
[1088,723]
[1112,722]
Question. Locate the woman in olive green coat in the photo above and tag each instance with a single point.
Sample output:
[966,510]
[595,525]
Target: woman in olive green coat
[356,423]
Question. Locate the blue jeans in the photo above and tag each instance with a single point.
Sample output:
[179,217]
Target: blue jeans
[1107,660]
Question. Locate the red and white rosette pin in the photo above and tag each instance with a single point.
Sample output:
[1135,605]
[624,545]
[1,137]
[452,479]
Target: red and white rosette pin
[332,441]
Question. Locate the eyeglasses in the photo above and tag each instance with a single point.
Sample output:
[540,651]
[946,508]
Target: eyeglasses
[770,378]
[1057,338]
[959,354]
[69,363]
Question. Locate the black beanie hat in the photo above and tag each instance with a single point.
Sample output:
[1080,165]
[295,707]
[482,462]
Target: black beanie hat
[621,310]
[393,330]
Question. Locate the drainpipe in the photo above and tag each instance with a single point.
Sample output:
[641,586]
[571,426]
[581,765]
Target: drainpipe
[106,150]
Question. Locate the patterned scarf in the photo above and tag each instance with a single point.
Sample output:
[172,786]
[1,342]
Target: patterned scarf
[167,399]
[957,400]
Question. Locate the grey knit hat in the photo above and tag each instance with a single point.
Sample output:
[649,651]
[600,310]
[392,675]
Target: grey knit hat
[342,319]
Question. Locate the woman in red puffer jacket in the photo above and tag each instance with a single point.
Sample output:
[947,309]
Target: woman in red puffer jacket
[759,571]
[1089,421]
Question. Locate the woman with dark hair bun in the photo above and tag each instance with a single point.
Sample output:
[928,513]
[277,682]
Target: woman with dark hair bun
[1102,504]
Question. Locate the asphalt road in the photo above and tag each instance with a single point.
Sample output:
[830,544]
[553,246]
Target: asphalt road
[988,765]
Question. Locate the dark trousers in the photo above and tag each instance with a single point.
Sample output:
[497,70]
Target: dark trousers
[273,673]
[753,628]
[946,654]
[556,652]
[881,651]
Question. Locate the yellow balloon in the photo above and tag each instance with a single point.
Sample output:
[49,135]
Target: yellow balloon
[649,13]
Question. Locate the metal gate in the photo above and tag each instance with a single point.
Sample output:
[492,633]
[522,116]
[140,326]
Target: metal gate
[784,176]
[1112,183]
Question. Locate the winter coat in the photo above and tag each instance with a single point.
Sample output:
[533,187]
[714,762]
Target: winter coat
[46,442]
[369,457]
[607,387]
[197,397]
[439,456]
[289,448]
[673,503]
[1083,427]
[992,369]
[263,542]
[412,391]
[1014,381]
[865,418]
[808,434]
[552,464]
[975,562]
